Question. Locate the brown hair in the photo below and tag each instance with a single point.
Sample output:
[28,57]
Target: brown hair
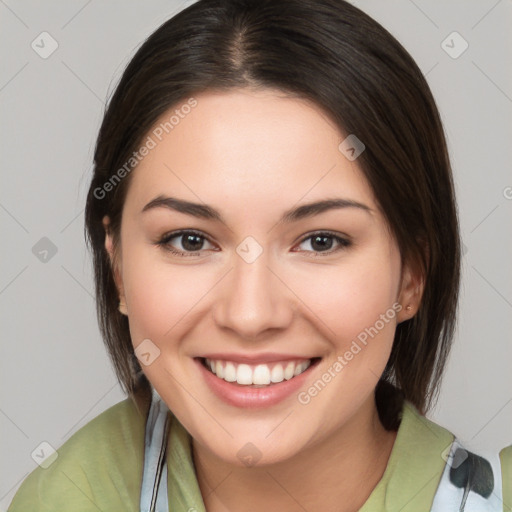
[333,54]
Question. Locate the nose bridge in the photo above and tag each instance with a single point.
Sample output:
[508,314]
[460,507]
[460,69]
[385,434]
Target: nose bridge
[253,300]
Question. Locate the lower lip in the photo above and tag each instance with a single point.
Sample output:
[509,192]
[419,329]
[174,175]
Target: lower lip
[249,397]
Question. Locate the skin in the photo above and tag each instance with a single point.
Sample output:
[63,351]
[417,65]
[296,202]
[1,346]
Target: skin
[253,155]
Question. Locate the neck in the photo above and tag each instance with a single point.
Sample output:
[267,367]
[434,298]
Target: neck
[336,474]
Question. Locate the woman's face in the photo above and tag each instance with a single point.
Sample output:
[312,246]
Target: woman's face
[262,281]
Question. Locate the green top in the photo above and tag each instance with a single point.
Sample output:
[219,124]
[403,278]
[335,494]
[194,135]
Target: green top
[100,468]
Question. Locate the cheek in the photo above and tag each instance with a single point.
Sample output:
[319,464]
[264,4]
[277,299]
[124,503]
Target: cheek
[162,298]
[349,298]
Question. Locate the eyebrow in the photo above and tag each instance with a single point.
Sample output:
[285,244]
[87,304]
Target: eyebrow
[204,211]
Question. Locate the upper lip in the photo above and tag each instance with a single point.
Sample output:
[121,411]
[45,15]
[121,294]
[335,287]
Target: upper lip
[266,357]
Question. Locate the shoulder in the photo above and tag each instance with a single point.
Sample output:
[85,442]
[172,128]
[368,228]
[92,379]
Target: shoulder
[99,467]
[466,477]
[422,428]
[414,466]
[506,470]
[431,469]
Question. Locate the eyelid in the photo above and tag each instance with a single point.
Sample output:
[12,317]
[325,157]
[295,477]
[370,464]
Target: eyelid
[173,234]
[326,232]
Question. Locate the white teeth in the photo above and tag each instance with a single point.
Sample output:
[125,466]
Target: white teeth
[298,370]
[219,371]
[288,371]
[277,374]
[230,372]
[260,374]
[243,374]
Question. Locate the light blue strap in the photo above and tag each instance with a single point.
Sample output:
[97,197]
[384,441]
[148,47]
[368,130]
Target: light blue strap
[153,496]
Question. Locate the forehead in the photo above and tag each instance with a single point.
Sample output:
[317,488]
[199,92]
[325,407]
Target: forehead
[261,147]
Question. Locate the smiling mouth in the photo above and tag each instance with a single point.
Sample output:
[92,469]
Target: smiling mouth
[258,375]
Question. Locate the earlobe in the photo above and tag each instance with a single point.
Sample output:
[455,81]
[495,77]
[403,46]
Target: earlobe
[114,264]
[411,292]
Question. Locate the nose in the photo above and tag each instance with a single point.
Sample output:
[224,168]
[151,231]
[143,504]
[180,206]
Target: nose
[253,300]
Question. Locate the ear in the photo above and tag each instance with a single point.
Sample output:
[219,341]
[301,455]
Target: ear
[411,290]
[114,264]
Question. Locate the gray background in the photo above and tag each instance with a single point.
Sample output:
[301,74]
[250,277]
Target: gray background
[55,375]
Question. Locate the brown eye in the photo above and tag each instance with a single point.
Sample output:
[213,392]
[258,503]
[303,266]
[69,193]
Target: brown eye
[184,242]
[324,243]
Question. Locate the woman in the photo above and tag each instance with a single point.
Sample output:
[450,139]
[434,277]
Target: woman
[276,251]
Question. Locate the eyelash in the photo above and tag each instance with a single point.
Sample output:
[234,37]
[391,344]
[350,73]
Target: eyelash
[163,243]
